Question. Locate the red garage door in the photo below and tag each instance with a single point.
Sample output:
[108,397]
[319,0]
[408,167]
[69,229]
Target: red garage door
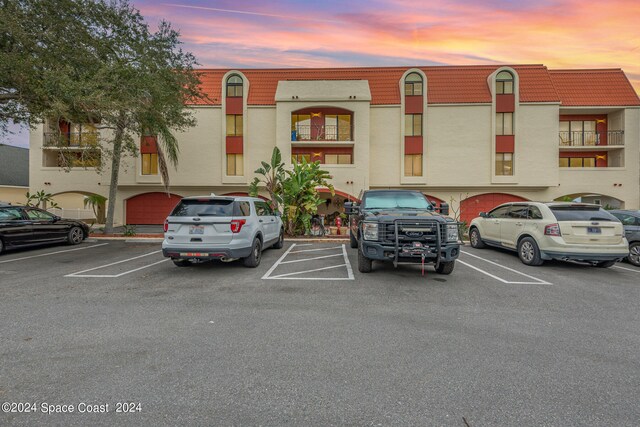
[471,207]
[150,208]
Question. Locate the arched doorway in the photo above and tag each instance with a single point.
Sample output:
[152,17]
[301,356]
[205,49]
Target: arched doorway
[150,208]
[81,205]
[472,206]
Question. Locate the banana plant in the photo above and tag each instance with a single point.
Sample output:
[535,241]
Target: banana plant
[272,176]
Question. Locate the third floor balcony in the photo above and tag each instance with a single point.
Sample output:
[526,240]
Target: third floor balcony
[611,139]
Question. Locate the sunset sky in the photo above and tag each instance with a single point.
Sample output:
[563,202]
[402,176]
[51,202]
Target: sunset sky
[287,33]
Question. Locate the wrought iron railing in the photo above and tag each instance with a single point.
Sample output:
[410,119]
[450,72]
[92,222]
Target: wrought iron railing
[321,133]
[591,138]
[71,139]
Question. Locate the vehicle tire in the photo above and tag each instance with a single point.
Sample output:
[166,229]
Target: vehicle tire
[280,243]
[253,260]
[75,236]
[353,242]
[446,267]
[364,264]
[476,241]
[606,264]
[528,252]
[633,258]
[181,262]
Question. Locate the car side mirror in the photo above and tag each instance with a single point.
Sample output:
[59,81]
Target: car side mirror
[444,208]
[350,208]
[56,218]
[484,215]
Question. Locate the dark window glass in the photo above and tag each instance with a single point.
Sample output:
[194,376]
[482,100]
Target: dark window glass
[500,212]
[518,211]
[37,214]
[581,213]
[534,213]
[204,207]
[10,214]
[263,209]
[234,86]
[242,209]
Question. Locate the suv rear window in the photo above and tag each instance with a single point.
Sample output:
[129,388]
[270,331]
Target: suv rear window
[581,213]
[206,207]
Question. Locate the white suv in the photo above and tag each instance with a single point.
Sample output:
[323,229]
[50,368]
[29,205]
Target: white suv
[219,227]
[556,230]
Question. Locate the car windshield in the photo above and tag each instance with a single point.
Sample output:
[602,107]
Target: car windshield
[205,207]
[581,213]
[396,200]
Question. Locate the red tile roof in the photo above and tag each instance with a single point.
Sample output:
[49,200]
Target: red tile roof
[445,84]
[594,87]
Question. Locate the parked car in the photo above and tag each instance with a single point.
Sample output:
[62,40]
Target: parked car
[22,226]
[556,230]
[631,222]
[220,227]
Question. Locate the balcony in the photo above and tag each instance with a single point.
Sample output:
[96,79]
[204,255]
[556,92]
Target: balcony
[592,140]
[72,140]
[329,133]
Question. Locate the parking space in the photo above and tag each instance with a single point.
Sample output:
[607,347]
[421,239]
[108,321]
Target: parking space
[496,342]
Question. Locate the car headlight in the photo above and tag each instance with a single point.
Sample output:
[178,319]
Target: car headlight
[452,232]
[370,231]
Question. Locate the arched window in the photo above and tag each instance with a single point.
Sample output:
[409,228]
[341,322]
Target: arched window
[234,86]
[413,84]
[504,83]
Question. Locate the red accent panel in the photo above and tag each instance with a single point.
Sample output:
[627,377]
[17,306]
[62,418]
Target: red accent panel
[148,145]
[505,143]
[339,193]
[505,103]
[64,126]
[234,105]
[600,162]
[471,207]
[150,208]
[413,104]
[234,145]
[323,110]
[413,145]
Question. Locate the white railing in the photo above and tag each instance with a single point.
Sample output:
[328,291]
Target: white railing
[73,213]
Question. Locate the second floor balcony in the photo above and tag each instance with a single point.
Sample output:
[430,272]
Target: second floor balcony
[321,133]
[71,139]
[594,139]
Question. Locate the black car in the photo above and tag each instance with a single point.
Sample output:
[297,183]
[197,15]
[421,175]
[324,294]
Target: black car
[22,226]
[631,223]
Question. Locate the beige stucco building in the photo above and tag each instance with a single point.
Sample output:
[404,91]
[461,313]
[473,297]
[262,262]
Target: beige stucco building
[472,136]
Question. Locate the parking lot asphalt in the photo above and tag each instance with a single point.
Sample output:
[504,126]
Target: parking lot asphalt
[305,339]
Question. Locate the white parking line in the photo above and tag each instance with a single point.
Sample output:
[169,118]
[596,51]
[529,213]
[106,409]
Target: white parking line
[287,276]
[310,259]
[537,281]
[79,273]
[627,269]
[52,253]
[275,265]
[348,264]
[315,250]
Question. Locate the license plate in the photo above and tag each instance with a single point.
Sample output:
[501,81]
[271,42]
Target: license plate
[594,230]
[196,229]
[193,254]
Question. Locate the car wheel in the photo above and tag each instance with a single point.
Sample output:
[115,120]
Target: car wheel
[253,260]
[75,236]
[280,243]
[365,265]
[634,253]
[181,262]
[606,264]
[353,242]
[446,267]
[476,241]
[528,252]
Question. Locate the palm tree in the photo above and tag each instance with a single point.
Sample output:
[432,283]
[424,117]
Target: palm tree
[272,175]
[96,202]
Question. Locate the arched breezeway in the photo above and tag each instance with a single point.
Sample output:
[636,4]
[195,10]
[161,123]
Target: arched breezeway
[472,206]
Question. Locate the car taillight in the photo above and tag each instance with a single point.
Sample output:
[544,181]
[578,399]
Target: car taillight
[552,230]
[236,225]
[166,225]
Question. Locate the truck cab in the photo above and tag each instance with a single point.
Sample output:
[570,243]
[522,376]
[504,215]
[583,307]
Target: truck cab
[402,226]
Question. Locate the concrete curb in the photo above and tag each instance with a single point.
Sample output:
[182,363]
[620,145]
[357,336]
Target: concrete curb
[95,239]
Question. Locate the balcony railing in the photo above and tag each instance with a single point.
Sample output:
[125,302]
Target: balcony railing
[320,133]
[591,138]
[71,140]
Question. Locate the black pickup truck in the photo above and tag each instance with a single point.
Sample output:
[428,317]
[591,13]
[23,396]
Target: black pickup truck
[402,226]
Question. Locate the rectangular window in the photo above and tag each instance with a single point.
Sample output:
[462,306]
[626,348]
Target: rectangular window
[504,87]
[234,90]
[579,133]
[413,124]
[413,88]
[337,159]
[504,163]
[413,165]
[149,164]
[235,166]
[234,124]
[298,158]
[504,123]
[564,162]
[578,162]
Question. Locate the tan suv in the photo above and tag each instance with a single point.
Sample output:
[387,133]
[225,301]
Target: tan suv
[556,230]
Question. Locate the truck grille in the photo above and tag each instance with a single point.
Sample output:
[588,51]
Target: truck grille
[425,231]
